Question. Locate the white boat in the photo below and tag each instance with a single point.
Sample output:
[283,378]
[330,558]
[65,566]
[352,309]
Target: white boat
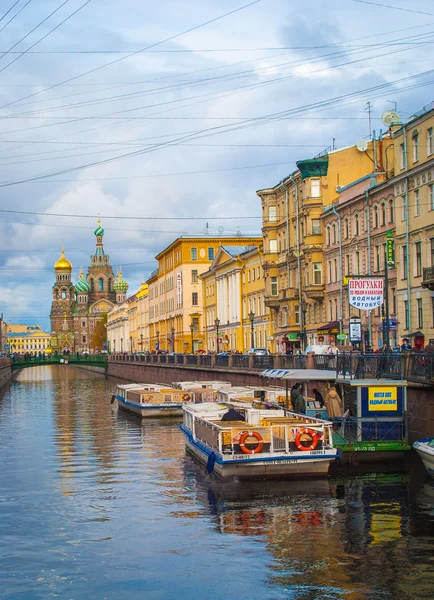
[266,443]
[151,401]
[425,449]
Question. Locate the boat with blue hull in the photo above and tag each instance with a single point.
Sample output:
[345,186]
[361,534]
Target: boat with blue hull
[425,449]
[263,442]
[151,401]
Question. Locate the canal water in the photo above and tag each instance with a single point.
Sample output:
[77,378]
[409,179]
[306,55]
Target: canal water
[96,505]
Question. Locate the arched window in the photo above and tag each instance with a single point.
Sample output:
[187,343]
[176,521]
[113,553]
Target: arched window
[92,285]
[334,233]
[347,229]
[383,213]
[375,216]
[63,295]
[391,211]
[357,227]
[328,235]
[101,284]
[109,285]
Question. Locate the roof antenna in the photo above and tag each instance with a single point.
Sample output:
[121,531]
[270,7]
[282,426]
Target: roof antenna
[207,229]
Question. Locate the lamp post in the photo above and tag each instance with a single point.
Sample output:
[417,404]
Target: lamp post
[141,342]
[114,346]
[217,325]
[173,338]
[131,344]
[157,346]
[252,335]
[122,347]
[192,340]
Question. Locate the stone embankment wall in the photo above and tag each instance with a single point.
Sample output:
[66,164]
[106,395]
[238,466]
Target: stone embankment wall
[100,370]
[5,371]
[420,401]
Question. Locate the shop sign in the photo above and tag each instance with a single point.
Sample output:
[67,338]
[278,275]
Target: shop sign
[293,336]
[382,398]
[365,293]
[179,289]
[342,336]
[390,249]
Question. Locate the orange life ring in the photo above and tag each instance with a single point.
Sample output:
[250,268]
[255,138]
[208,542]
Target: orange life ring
[254,434]
[186,397]
[315,435]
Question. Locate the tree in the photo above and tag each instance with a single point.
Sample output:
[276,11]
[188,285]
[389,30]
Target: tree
[100,333]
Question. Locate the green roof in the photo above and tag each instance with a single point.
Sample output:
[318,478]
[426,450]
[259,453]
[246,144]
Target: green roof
[313,167]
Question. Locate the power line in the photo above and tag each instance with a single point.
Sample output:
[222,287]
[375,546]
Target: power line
[15,15]
[394,7]
[135,53]
[135,218]
[8,11]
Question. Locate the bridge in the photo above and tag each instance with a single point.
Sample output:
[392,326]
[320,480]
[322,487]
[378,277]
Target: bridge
[21,362]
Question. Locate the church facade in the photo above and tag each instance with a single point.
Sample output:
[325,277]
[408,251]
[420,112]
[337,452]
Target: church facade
[79,312]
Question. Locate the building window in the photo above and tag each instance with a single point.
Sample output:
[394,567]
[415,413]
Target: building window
[195,323]
[429,142]
[383,213]
[273,245]
[194,299]
[404,207]
[316,227]
[274,286]
[63,295]
[357,263]
[315,188]
[101,284]
[356,227]
[346,229]
[335,264]
[317,273]
[347,265]
[418,247]
[415,142]
[272,213]
[194,276]
[432,251]
[378,258]
[375,216]
[404,262]
[297,315]
[210,253]
[402,156]
[92,285]
[417,203]
[83,323]
[419,313]
[84,339]
[328,236]
[193,253]
[391,212]
[407,314]
[431,196]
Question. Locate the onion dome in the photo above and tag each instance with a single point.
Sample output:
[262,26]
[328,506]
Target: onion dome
[120,285]
[99,231]
[82,286]
[63,263]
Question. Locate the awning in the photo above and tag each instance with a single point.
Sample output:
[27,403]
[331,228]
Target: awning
[330,328]
[274,373]
[415,334]
[300,374]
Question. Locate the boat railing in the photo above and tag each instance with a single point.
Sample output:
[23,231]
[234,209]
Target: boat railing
[378,429]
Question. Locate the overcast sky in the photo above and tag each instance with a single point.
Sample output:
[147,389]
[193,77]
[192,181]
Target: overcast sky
[194,112]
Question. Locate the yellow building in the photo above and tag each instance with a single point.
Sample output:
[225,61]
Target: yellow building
[414,201]
[143,318]
[32,342]
[176,319]
[294,238]
[18,328]
[236,317]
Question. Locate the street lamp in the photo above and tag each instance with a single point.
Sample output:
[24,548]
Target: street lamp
[217,325]
[173,338]
[131,344]
[141,342]
[122,347]
[158,340]
[192,341]
[252,335]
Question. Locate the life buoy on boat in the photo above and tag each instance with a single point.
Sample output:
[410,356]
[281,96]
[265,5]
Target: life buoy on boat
[314,435]
[186,397]
[254,434]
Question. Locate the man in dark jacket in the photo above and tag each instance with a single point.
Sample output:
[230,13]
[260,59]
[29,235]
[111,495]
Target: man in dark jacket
[232,415]
[298,402]
[318,397]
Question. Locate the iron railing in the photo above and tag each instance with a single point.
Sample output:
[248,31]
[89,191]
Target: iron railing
[222,361]
[369,366]
[240,361]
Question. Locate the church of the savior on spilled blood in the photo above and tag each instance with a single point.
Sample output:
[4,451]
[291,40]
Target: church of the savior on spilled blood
[77,309]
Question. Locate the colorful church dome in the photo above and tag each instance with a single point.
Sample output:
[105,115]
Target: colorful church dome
[82,286]
[120,285]
[63,263]
[99,231]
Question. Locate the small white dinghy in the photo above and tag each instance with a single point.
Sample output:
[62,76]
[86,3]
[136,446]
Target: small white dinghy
[425,449]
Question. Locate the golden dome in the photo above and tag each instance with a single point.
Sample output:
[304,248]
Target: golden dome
[63,263]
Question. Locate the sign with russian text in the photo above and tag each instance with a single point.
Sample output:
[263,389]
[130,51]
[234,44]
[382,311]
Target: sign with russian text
[365,293]
[390,249]
[179,289]
[382,398]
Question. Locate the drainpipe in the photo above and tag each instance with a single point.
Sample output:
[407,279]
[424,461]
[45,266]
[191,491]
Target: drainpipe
[341,290]
[297,244]
[368,231]
[374,141]
[407,233]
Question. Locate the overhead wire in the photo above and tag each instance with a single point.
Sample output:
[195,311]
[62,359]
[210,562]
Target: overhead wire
[9,10]
[15,15]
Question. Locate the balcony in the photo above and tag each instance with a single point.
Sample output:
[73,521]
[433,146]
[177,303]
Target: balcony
[428,278]
[272,301]
[315,292]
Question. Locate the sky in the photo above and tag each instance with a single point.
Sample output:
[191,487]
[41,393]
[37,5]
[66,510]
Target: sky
[174,114]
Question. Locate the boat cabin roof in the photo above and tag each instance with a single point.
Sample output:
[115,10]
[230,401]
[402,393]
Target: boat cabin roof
[371,382]
[300,374]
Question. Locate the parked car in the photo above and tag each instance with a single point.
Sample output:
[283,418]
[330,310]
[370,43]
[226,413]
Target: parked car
[258,351]
[318,349]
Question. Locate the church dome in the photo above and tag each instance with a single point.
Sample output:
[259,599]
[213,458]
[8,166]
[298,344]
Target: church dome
[120,285]
[63,263]
[99,231]
[82,286]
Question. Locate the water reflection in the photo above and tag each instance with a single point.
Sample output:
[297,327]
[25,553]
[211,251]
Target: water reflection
[94,502]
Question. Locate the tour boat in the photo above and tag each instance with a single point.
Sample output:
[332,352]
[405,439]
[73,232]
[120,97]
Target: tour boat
[151,401]
[266,443]
[425,449]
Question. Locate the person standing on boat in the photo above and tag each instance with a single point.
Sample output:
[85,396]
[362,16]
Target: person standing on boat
[333,404]
[232,415]
[298,402]
[318,397]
